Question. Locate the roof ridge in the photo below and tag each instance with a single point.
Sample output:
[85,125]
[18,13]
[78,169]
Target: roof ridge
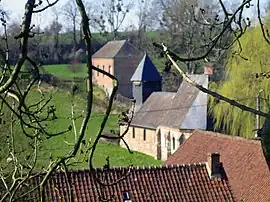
[106,51]
[139,168]
[124,42]
[232,137]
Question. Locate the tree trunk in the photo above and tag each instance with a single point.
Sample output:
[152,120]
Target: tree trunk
[74,34]
[265,140]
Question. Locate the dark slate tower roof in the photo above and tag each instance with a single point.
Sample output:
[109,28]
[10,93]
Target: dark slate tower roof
[146,71]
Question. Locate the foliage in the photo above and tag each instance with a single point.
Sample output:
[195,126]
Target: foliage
[242,85]
[60,145]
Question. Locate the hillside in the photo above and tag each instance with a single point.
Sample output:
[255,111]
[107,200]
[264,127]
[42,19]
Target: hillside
[60,145]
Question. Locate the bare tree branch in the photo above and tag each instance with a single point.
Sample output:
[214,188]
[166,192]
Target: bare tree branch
[170,56]
[261,23]
[24,35]
[46,7]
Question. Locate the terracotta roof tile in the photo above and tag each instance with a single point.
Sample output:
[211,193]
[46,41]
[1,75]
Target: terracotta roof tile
[157,183]
[243,160]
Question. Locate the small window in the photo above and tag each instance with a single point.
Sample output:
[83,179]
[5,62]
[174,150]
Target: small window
[97,71]
[169,146]
[103,68]
[173,143]
[144,134]
[110,69]
[133,132]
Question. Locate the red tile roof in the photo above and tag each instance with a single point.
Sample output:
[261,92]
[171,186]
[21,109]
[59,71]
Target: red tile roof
[162,183]
[242,159]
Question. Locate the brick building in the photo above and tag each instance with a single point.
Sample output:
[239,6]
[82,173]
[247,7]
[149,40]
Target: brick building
[119,58]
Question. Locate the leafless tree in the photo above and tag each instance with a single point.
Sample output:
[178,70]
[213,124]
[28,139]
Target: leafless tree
[144,21]
[185,30]
[70,11]
[54,29]
[112,15]
[34,118]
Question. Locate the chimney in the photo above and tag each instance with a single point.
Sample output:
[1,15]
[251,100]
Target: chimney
[214,165]
[126,197]
[209,70]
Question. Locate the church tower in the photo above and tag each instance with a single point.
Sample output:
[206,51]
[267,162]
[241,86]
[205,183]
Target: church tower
[145,80]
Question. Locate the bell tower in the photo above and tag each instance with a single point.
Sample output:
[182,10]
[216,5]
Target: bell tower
[145,80]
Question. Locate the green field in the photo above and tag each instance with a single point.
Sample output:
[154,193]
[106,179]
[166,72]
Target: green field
[61,145]
[62,71]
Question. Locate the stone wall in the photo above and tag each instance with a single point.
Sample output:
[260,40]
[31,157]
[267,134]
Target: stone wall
[141,140]
[159,143]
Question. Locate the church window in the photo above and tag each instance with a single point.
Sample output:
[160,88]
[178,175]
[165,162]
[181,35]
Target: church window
[144,134]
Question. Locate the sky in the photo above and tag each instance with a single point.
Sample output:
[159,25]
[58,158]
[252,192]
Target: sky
[16,8]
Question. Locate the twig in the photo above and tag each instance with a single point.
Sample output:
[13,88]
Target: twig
[261,23]
[24,35]
[46,7]
[212,93]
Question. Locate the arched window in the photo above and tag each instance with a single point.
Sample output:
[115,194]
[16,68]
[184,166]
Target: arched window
[182,139]
[103,68]
[97,71]
[110,69]
[169,149]
[173,143]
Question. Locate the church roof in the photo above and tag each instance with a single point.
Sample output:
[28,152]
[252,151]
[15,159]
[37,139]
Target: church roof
[146,71]
[168,108]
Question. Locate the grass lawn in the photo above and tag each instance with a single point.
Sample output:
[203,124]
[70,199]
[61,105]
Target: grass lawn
[61,145]
[62,71]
